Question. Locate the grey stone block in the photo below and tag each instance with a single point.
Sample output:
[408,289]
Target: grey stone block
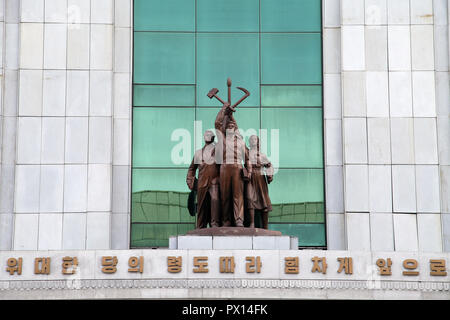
[173,243]
[446,231]
[194,242]
[229,242]
[190,242]
[271,243]
[293,243]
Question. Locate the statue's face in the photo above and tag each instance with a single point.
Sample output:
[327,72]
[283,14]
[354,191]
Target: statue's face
[208,136]
[231,126]
[253,140]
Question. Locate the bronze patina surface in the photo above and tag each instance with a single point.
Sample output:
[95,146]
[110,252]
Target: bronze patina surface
[232,178]
[208,201]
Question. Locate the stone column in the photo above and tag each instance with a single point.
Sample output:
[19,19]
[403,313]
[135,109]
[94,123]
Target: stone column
[121,189]
[9,97]
[442,53]
[333,125]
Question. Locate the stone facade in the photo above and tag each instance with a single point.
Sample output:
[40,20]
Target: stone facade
[66,124]
[66,79]
[270,281]
[386,90]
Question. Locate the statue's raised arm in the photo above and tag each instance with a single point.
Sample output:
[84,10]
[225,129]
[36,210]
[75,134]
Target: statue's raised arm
[225,115]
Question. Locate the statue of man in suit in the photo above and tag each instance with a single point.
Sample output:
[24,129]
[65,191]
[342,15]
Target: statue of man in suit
[208,198]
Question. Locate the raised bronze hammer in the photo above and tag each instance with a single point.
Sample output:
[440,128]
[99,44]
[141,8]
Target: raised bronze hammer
[213,93]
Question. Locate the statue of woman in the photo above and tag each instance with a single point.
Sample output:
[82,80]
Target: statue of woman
[257,192]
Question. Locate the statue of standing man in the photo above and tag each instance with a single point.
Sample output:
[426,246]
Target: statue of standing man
[231,153]
[208,201]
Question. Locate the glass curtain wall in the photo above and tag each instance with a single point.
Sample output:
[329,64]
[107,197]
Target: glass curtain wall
[182,49]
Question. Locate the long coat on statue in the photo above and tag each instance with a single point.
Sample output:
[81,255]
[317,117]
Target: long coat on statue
[208,199]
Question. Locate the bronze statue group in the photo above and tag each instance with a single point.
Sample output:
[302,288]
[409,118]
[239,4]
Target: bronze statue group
[232,184]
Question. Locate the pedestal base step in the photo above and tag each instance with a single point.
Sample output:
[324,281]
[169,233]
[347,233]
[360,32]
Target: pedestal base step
[233,238]
[233,231]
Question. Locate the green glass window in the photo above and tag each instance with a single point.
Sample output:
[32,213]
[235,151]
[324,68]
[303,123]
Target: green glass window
[164,15]
[157,132]
[164,96]
[309,234]
[164,58]
[291,96]
[300,135]
[159,206]
[167,180]
[297,186]
[227,55]
[184,48]
[227,16]
[297,198]
[291,58]
[290,16]
[157,201]
[157,234]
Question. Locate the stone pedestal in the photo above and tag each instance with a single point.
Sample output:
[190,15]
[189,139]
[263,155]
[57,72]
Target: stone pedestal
[233,238]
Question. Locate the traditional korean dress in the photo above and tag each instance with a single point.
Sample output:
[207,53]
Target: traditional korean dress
[257,189]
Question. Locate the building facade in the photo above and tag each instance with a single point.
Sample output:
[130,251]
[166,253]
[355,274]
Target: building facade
[353,97]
